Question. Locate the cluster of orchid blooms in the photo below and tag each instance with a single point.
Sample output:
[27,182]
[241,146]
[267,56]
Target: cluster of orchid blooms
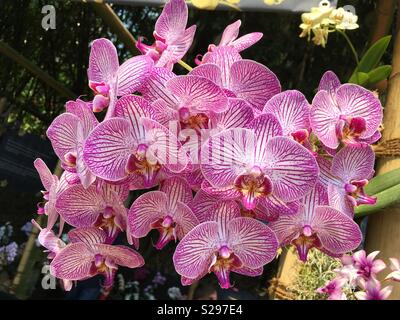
[237,167]
[357,278]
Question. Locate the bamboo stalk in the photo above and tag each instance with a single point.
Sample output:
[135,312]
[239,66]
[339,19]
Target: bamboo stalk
[383,228]
[383,19]
[36,71]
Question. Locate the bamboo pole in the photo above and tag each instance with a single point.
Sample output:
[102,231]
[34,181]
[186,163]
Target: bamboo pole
[383,19]
[384,227]
[110,17]
[35,70]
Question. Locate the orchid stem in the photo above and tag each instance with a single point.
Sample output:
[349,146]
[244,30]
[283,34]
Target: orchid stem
[350,45]
[185,65]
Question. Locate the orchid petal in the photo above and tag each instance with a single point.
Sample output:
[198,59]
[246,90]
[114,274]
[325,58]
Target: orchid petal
[185,219]
[201,205]
[354,163]
[265,126]
[238,115]
[107,149]
[246,41]
[121,255]
[208,70]
[329,82]
[337,232]
[63,134]
[230,33]
[253,82]
[103,61]
[146,210]
[73,262]
[356,101]
[291,109]
[252,241]
[225,155]
[45,175]
[176,189]
[132,73]
[193,254]
[172,21]
[88,235]
[291,168]
[198,93]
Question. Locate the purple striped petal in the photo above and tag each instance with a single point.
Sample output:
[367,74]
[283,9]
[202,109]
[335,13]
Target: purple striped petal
[177,49]
[185,219]
[193,254]
[201,205]
[338,199]
[337,232]
[45,175]
[238,115]
[63,134]
[223,57]
[356,101]
[146,210]
[208,70]
[154,87]
[291,109]
[265,126]
[198,93]
[276,207]
[246,41]
[230,33]
[228,193]
[252,242]
[354,163]
[287,228]
[176,189]
[223,212]
[107,149]
[80,207]
[73,262]
[317,197]
[225,155]
[253,82]
[132,73]
[121,255]
[291,168]
[88,235]
[103,61]
[164,146]
[329,82]
[84,112]
[162,113]
[250,272]
[324,115]
[172,21]
[325,175]
[132,108]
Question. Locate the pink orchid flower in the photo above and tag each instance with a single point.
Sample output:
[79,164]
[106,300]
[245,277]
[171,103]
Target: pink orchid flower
[374,291]
[346,176]
[53,187]
[334,289]
[189,99]
[109,80]
[165,210]
[317,225]
[292,110]
[68,133]
[240,78]
[132,144]
[395,267]
[87,255]
[347,114]
[225,243]
[258,166]
[172,39]
[100,207]
[367,266]
[230,38]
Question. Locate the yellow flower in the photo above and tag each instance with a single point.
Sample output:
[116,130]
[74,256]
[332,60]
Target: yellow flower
[317,17]
[205,4]
[321,36]
[344,20]
[273,2]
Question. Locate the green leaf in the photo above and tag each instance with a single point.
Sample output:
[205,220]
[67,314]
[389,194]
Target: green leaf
[383,182]
[372,57]
[385,199]
[380,73]
[361,78]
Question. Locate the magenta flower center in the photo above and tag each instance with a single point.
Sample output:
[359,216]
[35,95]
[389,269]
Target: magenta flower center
[166,228]
[356,193]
